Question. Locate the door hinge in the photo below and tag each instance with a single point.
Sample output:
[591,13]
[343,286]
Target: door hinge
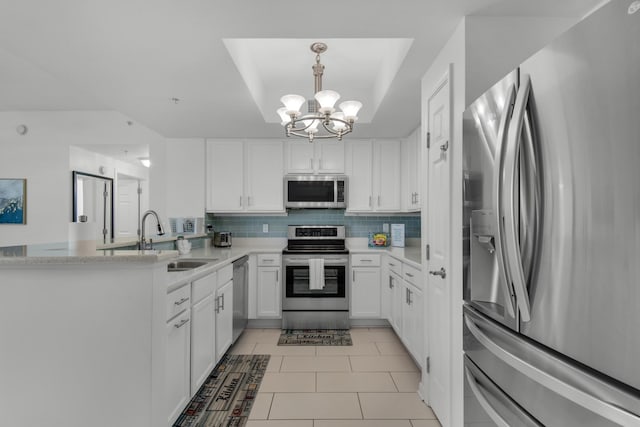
[428,139]
[428,252]
[139,190]
[428,364]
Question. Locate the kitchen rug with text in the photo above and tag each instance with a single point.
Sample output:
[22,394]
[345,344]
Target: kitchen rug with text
[315,337]
[226,397]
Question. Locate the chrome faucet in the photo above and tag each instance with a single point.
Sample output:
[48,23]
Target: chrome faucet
[142,244]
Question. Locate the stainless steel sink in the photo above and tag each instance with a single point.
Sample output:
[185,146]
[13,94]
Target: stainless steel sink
[184,265]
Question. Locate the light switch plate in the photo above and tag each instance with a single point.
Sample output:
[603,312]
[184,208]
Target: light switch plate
[265,228]
[385,228]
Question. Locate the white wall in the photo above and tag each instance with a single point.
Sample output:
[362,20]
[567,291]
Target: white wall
[495,45]
[43,157]
[452,53]
[185,177]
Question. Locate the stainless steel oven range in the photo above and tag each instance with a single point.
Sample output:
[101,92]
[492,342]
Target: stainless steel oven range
[316,290]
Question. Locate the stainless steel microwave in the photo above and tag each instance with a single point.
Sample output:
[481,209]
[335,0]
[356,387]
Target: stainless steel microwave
[315,191]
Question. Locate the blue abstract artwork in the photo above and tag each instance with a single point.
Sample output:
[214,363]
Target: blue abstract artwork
[13,201]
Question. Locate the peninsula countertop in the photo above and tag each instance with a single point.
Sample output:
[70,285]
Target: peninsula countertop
[63,253]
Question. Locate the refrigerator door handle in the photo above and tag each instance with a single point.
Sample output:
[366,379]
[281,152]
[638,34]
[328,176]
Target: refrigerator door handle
[497,183]
[588,391]
[475,378]
[514,258]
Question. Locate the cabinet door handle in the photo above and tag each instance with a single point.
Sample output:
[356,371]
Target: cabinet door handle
[277,276]
[248,200]
[366,260]
[181,324]
[181,301]
[410,293]
[378,200]
[409,274]
[390,282]
[222,304]
[369,201]
[442,272]
[217,305]
[311,162]
[392,264]
[240,201]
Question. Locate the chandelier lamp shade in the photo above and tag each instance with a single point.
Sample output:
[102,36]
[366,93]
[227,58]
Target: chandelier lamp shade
[322,120]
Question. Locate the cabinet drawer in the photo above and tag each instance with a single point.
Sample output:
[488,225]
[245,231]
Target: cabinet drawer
[412,275]
[178,301]
[395,266]
[365,260]
[225,274]
[267,260]
[203,287]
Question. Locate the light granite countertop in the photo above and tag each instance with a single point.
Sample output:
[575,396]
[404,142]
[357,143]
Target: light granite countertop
[409,254]
[62,253]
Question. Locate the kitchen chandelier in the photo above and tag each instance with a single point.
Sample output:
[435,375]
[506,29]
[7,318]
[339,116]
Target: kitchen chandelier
[334,123]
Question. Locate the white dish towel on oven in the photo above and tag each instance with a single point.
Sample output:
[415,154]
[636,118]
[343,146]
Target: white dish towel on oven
[316,274]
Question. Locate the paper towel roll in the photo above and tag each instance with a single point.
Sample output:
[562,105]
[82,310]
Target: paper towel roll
[82,236]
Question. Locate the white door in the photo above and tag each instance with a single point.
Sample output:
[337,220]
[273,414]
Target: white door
[225,176]
[127,208]
[438,237]
[264,172]
[387,173]
[224,319]
[203,341]
[359,170]
[329,156]
[177,365]
[269,294]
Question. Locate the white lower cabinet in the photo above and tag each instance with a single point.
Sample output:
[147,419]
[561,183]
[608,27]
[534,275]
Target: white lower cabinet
[403,288]
[269,288]
[365,286]
[412,325]
[203,341]
[203,330]
[177,369]
[397,291]
[224,318]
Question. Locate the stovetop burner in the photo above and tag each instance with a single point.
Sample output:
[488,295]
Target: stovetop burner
[306,239]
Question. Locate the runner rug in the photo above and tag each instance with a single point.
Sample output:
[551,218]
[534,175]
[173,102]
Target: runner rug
[226,397]
[315,337]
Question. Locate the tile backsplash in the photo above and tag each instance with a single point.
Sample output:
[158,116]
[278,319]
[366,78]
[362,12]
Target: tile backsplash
[355,226]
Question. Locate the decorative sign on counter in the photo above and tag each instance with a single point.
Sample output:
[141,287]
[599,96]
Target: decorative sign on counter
[397,235]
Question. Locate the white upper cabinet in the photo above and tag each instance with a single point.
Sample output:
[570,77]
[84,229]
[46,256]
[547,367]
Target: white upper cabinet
[225,176]
[264,176]
[245,176]
[320,156]
[411,172]
[373,168]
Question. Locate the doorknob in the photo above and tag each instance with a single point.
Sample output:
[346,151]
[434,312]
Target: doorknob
[444,147]
[442,273]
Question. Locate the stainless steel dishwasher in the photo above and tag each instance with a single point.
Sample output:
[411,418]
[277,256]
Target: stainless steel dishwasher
[240,295]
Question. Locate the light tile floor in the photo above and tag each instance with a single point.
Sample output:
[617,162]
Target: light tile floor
[370,384]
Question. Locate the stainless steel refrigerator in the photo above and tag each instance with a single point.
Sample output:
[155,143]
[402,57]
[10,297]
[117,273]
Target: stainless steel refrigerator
[552,233]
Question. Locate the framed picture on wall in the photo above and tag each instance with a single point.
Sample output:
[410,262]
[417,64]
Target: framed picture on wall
[13,201]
